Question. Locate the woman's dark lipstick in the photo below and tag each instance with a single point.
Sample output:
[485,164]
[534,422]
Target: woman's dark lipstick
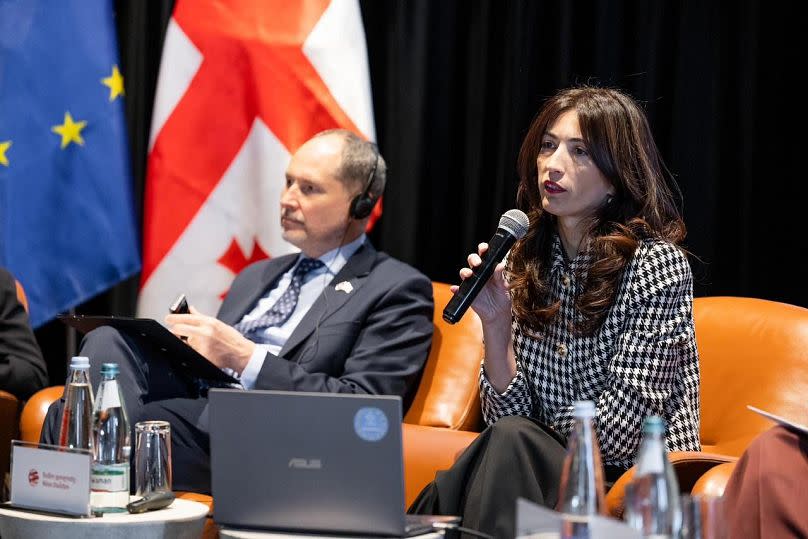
[553,188]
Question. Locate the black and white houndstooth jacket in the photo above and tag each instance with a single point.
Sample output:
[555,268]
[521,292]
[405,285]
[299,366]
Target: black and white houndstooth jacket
[642,361]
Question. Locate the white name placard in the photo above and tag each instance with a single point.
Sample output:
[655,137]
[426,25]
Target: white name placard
[50,478]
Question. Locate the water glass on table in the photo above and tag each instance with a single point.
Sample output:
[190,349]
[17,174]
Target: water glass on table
[703,517]
[152,457]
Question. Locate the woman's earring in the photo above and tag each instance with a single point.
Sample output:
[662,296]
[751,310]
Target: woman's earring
[609,199]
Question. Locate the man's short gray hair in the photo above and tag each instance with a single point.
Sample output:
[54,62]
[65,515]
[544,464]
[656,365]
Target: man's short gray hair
[358,159]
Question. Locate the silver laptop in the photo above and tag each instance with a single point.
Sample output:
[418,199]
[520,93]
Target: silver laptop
[310,462]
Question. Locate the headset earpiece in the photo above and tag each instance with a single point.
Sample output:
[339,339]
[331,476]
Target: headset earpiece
[363,203]
[361,206]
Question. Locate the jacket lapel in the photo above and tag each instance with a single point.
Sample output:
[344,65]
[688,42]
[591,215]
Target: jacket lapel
[270,275]
[354,273]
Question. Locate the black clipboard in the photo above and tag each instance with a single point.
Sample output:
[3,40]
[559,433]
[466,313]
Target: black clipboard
[154,334]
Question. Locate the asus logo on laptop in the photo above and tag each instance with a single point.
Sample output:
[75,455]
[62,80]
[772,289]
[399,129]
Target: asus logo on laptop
[305,464]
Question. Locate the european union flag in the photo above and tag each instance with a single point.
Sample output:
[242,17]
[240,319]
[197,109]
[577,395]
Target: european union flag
[67,226]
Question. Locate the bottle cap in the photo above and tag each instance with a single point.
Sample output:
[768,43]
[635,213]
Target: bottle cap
[79,362]
[110,369]
[654,425]
[583,409]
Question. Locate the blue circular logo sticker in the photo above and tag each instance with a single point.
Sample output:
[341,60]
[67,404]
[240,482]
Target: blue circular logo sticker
[370,424]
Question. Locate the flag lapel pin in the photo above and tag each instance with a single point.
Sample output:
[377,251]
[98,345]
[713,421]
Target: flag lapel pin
[344,286]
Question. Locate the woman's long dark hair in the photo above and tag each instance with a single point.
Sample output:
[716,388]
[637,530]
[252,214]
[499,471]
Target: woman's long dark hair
[620,143]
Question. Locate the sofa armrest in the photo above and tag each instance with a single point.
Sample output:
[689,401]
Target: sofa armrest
[688,465]
[428,450]
[714,481]
[35,410]
[691,465]
[615,498]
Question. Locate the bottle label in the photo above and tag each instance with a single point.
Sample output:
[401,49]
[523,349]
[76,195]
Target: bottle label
[110,477]
[110,397]
[651,462]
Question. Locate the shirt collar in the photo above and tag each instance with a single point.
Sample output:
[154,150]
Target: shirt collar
[335,259]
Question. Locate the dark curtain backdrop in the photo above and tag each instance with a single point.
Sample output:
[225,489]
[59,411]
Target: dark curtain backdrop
[456,84]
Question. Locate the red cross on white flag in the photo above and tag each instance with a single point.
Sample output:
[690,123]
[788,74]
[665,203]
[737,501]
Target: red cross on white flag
[243,83]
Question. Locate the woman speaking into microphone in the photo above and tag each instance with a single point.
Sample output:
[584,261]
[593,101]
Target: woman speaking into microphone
[594,303]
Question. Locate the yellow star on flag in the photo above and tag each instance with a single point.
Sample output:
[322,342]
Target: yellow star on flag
[115,83]
[3,147]
[70,131]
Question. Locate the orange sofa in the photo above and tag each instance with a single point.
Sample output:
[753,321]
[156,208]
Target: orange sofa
[752,351]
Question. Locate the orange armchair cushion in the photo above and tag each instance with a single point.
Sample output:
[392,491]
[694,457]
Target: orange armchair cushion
[714,481]
[689,467]
[751,351]
[428,450]
[33,414]
[448,394]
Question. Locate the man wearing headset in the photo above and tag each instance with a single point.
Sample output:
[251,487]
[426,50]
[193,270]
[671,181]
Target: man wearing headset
[338,317]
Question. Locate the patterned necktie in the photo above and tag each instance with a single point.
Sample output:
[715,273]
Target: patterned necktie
[285,306]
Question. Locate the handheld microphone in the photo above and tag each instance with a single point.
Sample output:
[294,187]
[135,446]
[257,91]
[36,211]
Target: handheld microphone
[513,225]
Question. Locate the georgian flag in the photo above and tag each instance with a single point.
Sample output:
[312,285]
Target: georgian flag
[242,85]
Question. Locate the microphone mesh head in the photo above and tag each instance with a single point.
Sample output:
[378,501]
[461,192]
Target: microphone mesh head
[515,222]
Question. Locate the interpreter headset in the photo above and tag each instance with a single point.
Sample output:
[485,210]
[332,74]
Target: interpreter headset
[363,203]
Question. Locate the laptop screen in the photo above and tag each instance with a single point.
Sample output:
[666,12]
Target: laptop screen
[307,461]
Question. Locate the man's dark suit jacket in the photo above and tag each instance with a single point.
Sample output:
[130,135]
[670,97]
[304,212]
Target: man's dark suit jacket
[22,369]
[371,335]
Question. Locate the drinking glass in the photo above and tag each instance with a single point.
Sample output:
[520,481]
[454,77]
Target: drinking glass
[702,517]
[691,517]
[152,457]
[639,511]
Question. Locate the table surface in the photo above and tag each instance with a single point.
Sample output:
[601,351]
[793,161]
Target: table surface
[179,510]
[183,519]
